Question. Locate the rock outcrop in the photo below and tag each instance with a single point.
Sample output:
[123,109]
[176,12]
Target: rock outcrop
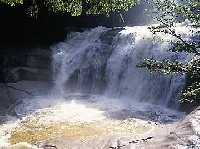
[23,74]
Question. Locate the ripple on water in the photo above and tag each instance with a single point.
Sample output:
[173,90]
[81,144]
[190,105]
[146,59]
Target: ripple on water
[67,121]
[73,121]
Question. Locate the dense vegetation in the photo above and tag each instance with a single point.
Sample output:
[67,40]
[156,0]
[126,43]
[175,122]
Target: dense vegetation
[44,22]
[167,12]
[73,7]
[171,13]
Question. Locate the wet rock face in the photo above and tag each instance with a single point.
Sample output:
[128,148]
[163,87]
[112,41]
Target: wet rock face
[17,65]
[90,76]
[103,61]
[92,82]
[33,65]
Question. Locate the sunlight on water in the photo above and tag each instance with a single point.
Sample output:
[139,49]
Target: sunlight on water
[70,120]
[81,64]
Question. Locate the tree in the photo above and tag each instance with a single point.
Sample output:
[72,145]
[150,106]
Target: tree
[168,13]
[12,2]
[76,7]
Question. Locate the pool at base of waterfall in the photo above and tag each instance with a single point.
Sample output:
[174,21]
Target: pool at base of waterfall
[112,103]
[80,120]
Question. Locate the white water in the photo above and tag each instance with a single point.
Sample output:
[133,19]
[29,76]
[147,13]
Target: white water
[92,63]
[96,80]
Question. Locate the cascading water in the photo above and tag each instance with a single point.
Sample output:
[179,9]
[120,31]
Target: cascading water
[99,92]
[103,61]
[75,57]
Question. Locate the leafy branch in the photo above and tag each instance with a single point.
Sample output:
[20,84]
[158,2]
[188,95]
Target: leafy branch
[168,13]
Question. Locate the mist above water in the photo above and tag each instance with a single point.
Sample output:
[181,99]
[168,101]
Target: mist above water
[103,61]
[98,88]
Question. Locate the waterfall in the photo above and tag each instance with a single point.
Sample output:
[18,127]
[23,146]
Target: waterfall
[103,61]
[74,55]
[98,85]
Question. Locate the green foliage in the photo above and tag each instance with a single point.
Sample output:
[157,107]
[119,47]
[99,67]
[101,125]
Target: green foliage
[164,66]
[12,2]
[95,6]
[106,6]
[168,13]
[75,7]
[191,93]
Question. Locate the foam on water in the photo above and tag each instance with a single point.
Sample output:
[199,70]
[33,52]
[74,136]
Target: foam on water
[103,61]
[81,116]
[99,90]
